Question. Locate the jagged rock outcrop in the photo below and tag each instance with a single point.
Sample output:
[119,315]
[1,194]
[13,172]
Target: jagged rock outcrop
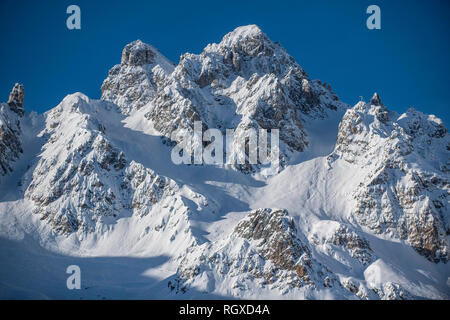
[359,290]
[264,250]
[404,161]
[392,291]
[16,98]
[342,243]
[10,131]
[134,82]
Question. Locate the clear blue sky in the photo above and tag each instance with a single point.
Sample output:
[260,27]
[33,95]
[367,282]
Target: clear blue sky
[406,62]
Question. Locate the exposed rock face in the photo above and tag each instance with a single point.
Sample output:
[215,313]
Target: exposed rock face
[133,83]
[342,243]
[16,98]
[278,236]
[137,53]
[10,131]
[10,145]
[405,162]
[376,100]
[264,249]
[359,290]
[393,291]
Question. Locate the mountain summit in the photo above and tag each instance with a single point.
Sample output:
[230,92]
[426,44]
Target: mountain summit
[16,98]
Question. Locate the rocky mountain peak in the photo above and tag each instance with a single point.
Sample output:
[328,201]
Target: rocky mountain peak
[137,53]
[418,124]
[376,100]
[252,80]
[393,150]
[249,40]
[247,50]
[374,108]
[16,98]
[133,83]
[242,32]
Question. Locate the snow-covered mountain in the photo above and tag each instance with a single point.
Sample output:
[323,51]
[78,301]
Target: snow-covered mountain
[359,209]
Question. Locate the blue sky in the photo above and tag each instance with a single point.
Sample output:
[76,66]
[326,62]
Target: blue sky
[406,62]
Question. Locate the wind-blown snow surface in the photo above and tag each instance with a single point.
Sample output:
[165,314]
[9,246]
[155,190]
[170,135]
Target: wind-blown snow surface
[359,211]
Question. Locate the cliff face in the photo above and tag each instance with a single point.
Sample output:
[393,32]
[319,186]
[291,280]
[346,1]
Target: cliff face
[10,131]
[134,82]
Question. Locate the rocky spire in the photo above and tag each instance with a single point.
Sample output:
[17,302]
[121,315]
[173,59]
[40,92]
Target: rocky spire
[381,111]
[137,53]
[247,41]
[16,98]
[376,100]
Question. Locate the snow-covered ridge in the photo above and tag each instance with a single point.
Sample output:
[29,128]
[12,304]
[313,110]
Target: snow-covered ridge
[83,183]
[406,185]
